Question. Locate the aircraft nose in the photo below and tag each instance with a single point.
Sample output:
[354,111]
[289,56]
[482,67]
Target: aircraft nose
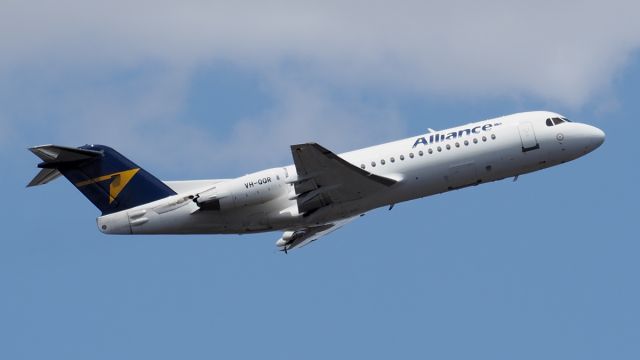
[595,136]
[589,137]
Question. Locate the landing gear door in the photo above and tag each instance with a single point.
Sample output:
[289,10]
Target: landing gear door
[528,137]
[462,175]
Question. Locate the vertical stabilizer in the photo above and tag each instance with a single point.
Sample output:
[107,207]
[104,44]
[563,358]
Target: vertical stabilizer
[109,180]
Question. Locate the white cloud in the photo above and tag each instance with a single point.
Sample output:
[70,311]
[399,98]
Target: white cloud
[307,115]
[562,52]
[150,132]
[142,114]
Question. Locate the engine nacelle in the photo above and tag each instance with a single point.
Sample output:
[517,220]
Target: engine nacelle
[249,190]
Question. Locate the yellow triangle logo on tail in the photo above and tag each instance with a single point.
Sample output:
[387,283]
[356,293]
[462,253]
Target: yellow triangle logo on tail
[118,182]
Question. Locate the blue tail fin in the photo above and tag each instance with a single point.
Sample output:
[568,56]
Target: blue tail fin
[108,179]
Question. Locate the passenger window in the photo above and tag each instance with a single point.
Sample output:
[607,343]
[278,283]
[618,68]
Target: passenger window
[430,151]
[362,166]
[466,143]
[420,153]
[393,159]
[411,155]
[448,147]
[457,144]
[475,141]
[484,138]
[493,136]
[373,164]
[439,149]
[549,123]
[401,157]
[382,162]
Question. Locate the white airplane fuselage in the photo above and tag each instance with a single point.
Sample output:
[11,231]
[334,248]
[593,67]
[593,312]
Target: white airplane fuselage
[423,165]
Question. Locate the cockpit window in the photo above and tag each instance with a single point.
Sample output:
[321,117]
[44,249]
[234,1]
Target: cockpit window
[556,121]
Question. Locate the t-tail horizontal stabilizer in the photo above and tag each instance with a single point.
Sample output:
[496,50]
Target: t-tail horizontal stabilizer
[54,156]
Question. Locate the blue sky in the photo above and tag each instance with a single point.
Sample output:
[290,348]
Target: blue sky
[545,267]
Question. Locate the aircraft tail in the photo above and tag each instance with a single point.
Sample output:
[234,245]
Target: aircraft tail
[108,179]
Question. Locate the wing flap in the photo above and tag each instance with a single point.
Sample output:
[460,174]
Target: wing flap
[310,234]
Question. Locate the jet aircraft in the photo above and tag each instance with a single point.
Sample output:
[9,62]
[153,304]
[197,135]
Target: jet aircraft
[322,191]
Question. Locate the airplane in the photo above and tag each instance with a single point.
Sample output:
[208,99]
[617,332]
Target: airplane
[322,191]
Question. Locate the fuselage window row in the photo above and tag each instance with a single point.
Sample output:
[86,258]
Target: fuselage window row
[430,150]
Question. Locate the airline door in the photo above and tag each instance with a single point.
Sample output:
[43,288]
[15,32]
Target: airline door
[528,137]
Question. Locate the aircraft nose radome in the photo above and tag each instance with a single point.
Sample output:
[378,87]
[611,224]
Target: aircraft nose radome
[596,136]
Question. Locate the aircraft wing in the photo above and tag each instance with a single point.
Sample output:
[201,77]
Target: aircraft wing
[324,178]
[298,238]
